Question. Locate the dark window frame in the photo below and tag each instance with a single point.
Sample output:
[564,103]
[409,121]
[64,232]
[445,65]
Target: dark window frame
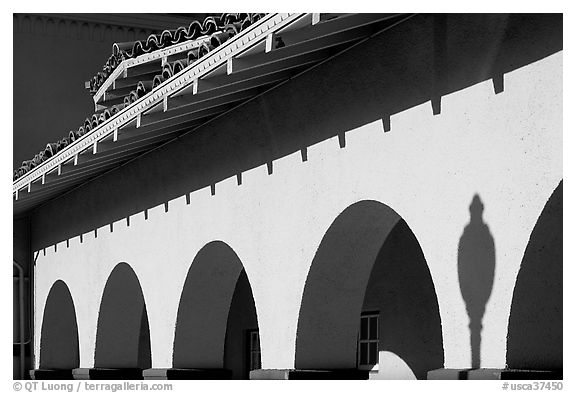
[368,339]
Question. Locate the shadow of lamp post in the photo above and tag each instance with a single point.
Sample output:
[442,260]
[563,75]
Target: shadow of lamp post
[476,263]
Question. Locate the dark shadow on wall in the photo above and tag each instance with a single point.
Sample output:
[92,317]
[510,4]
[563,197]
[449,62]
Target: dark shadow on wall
[242,319]
[476,264]
[123,336]
[425,57]
[535,324]
[335,286]
[215,306]
[336,290]
[401,290]
[59,348]
[144,349]
[22,254]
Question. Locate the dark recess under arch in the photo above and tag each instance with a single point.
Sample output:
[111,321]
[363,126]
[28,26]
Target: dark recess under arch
[216,308]
[535,324]
[59,348]
[123,336]
[350,259]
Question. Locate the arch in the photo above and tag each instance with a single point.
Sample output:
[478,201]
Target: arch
[59,347]
[108,34]
[397,367]
[122,335]
[62,29]
[51,28]
[73,30]
[368,260]
[534,339]
[85,32]
[97,31]
[39,25]
[216,309]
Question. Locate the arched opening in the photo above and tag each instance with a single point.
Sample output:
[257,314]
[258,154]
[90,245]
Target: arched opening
[396,367]
[535,324]
[123,336]
[369,292]
[217,328]
[59,350]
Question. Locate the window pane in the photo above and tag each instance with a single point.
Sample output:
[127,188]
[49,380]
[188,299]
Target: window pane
[374,328]
[255,361]
[253,355]
[363,328]
[373,358]
[363,353]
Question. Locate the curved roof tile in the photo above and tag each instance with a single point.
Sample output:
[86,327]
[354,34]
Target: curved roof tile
[220,29]
[52,148]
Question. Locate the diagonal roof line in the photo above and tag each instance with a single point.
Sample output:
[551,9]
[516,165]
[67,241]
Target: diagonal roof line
[213,26]
[145,58]
[253,35]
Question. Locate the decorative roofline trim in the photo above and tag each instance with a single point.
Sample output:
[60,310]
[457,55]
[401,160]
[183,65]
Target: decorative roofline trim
[216,58]
[56,25]
[145,22]
[145,58]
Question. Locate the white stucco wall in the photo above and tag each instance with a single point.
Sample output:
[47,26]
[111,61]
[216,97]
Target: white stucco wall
[505,147]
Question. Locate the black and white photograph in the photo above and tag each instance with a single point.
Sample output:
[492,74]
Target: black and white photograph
[287,196]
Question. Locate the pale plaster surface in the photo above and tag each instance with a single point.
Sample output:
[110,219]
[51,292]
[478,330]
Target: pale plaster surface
[506,147]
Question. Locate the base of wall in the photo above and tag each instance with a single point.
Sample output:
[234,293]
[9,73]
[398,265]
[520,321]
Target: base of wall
[186,373]
[493,374]
[107,373]
[50,374]
[308,374]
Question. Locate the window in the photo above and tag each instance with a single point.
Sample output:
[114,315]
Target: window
[254,362]
[368,341]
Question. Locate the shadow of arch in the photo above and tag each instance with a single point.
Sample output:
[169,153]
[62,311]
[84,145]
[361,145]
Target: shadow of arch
[123,334]
[59,348]
[359,265]
[535,324]
[216,310]
[401,289]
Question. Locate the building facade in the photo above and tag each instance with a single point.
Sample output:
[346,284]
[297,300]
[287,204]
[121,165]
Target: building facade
[317,196]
